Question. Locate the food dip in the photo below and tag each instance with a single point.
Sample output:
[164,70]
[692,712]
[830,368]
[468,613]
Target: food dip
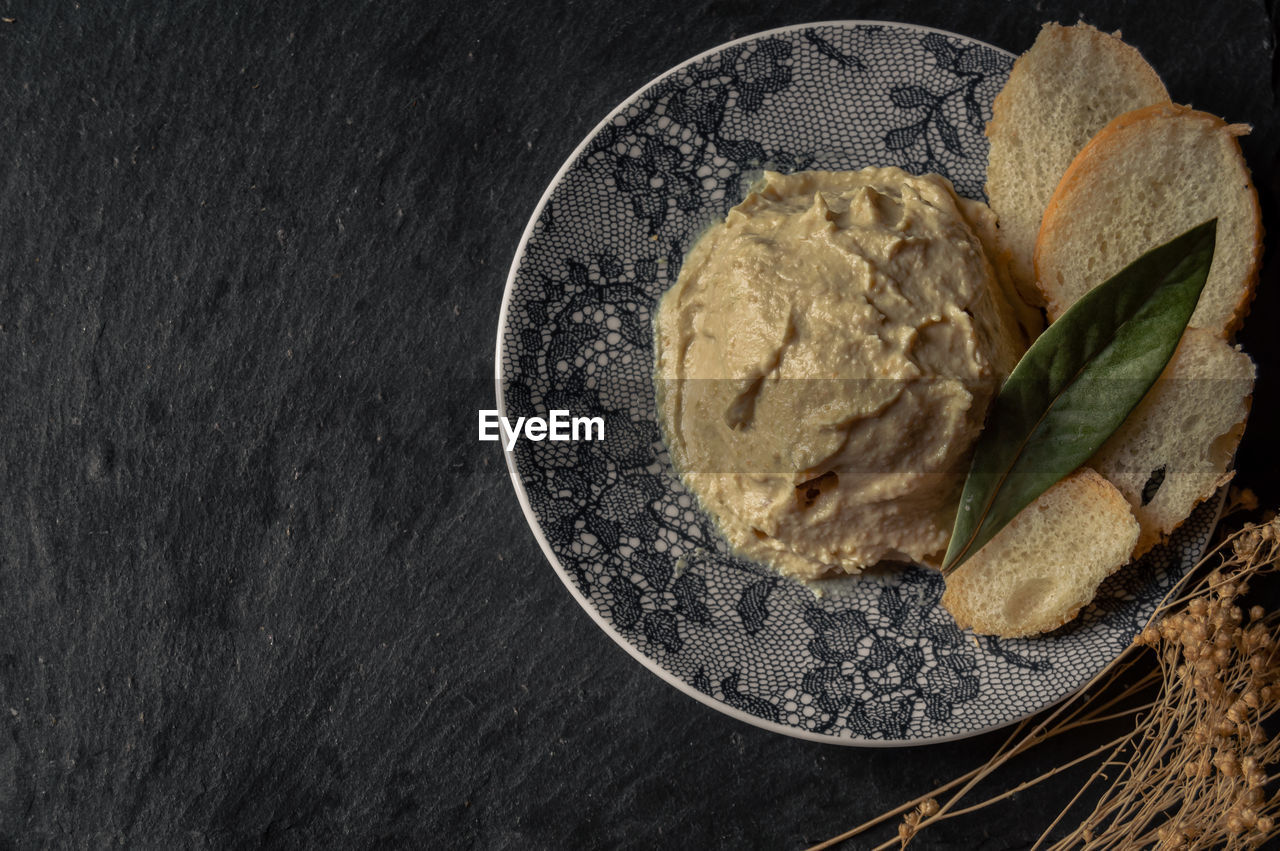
[824,364]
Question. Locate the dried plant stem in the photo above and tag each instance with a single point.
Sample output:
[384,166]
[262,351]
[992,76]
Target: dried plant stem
[1193,770]
[1097,773]
[945,812]
[1024,745]
[1027,784]
[897,811]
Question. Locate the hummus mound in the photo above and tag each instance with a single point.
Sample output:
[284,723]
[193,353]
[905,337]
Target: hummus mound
[824,364]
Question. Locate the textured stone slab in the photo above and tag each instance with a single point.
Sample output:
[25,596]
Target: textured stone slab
[258,581]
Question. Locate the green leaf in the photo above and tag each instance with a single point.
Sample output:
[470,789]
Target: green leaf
[1077,383]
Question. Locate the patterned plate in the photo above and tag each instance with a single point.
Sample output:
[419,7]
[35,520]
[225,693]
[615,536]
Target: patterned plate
[880,662]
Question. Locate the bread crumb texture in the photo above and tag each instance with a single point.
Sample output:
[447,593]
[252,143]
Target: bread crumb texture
[1147,177]
[1176,448]
[1067,87]
[1042,568]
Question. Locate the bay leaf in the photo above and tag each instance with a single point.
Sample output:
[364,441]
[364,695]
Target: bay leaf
[1077,383]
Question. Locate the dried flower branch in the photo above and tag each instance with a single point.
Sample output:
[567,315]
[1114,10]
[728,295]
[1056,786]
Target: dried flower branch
[1194,772]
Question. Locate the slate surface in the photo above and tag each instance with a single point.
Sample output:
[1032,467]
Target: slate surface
[259,583]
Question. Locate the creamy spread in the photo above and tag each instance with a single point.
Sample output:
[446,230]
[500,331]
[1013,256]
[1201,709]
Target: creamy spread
[824,364]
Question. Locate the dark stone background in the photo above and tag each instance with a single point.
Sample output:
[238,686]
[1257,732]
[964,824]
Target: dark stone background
[259,583]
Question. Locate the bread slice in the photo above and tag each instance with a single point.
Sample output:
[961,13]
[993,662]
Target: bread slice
[1148,176]
[1174,450]
[1040,570]
[1062,91]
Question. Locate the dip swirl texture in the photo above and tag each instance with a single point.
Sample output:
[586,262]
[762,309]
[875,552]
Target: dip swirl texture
[824,364]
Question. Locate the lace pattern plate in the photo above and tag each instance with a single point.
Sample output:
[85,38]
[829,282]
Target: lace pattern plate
[879,662]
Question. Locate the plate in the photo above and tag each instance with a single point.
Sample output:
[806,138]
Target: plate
[880,662]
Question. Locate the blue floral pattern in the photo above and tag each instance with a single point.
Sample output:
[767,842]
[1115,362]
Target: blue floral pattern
[881,665]
[876,659]
[672,152]
[932,120]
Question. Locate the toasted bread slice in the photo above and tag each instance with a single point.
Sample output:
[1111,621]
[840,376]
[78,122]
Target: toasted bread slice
[1175,449]
[1067,87]
[1148,176]
[1040,570]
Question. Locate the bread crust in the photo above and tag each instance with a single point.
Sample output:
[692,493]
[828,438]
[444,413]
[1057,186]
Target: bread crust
[1113,139]
[966,586]
[1015,591]
[1140,438]
[1017,189]
[1055,36]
